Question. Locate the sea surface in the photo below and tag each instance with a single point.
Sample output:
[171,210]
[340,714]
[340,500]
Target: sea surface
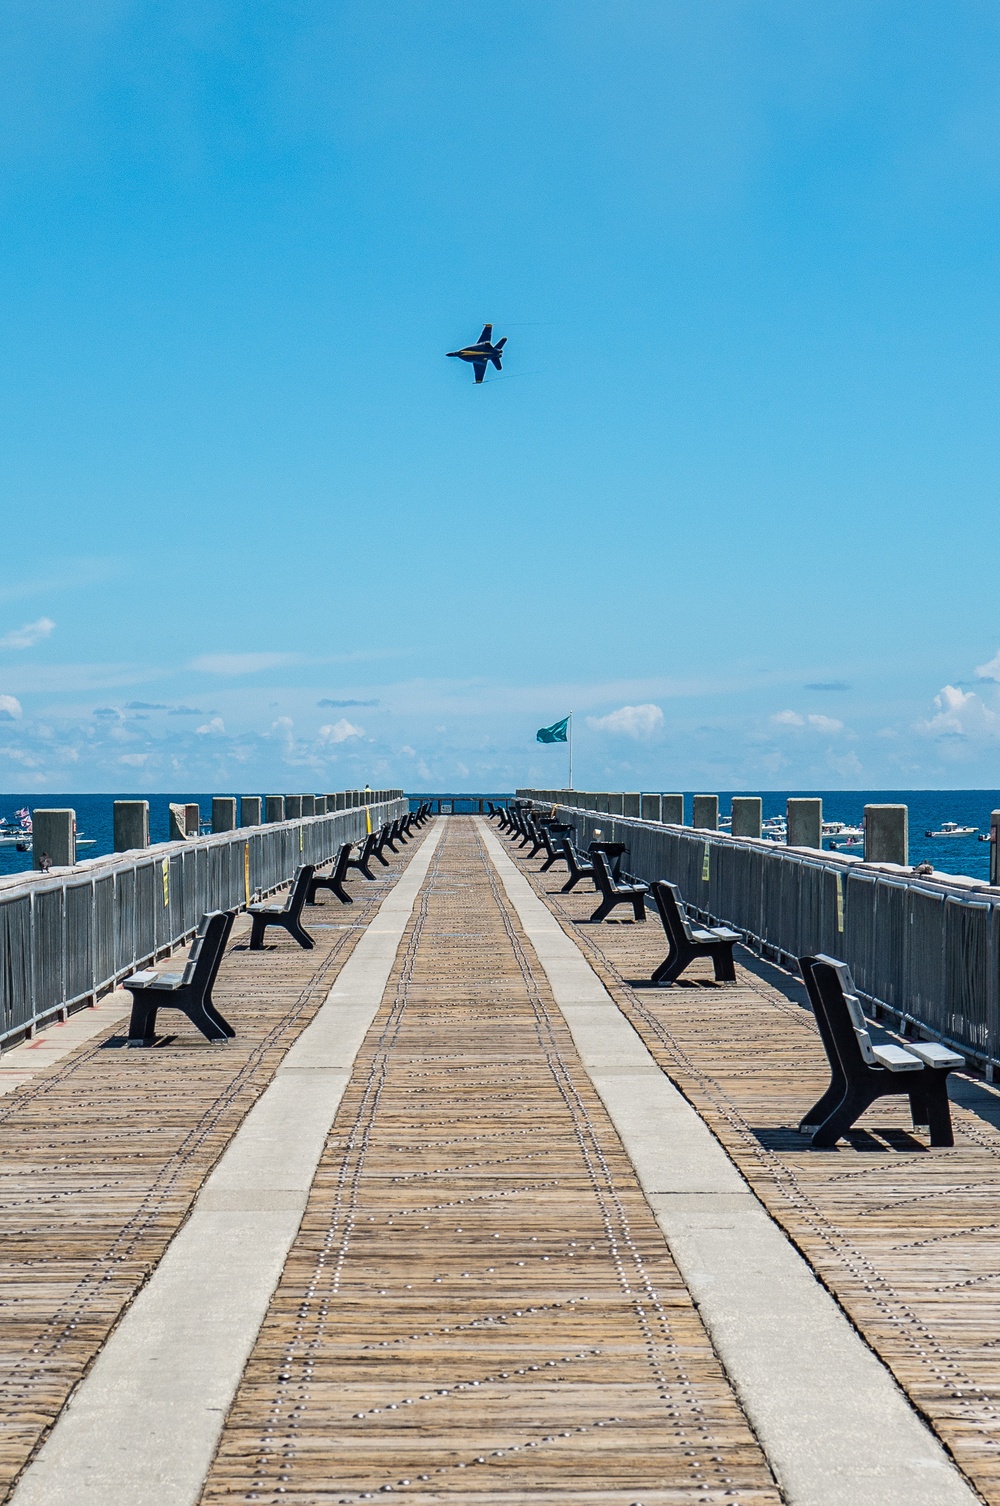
[928,809]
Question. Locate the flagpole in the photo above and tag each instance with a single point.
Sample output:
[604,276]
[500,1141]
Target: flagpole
[571,750]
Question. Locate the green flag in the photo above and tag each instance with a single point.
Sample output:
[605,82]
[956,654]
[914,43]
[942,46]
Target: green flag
[554,734]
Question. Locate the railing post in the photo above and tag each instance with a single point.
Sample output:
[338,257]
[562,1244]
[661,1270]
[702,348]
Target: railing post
[805,822]
[705,812]
[995,847]
[250,810]
[131,824]
[886,834]
[748,814]
[53,838]
[223,813]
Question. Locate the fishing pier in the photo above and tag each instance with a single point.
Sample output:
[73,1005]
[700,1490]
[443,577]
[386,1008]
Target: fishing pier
[468,1211]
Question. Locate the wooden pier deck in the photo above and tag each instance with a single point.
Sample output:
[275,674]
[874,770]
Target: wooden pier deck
[479,1305]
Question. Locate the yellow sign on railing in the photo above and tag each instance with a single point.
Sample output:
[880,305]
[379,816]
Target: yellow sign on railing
[246,870]
[166,883]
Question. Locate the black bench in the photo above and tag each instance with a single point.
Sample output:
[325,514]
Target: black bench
[288,916]
[688,942]
[379,844]
[552,835]
[365,853]
[189,991]
[614,892]
[861,1073]
[615,851]
[579,866]
[334,880]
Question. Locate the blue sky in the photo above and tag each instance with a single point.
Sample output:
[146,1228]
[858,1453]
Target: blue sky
[733,499]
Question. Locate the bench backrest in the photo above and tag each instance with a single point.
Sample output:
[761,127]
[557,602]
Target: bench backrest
[342,859]
[603,877]
[575,860]
[845,1019]
[299,890]
[367,848]
[672,913]
[206,952]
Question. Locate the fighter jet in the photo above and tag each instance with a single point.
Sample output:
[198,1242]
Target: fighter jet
[483,351]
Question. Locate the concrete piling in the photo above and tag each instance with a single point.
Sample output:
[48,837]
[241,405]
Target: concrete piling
[995,847]
[274,808]
[53,838]
[672,810]
[223,812]
[293,807]
[805,822]
[250,810]
[651,807]
[886,834]
[705,812]
[131,824]
[748,814]
[308,805]
[631,805]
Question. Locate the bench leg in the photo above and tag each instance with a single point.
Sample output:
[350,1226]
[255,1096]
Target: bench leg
[672,965]
[341,893]
[848,1112]
[639,907]
[142,1022]
[257,930]
[938,1108]
[573,879]
[218,1019]
[200,1017]
[823,1107]
[722,959]
[302,937]
[603,910]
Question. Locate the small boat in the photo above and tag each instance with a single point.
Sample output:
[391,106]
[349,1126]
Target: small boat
[847,836]
[16,831]
[952,829]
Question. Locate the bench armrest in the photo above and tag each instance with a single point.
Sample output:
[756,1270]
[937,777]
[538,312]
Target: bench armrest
[933,1054]
[896,1059]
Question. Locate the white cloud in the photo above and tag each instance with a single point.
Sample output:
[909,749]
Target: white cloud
[213,726]
[340,732]
[29,635]
[136,760]
[960,714]
[629,721]
[240,664]
[990,671]
[814,720]
[10,707]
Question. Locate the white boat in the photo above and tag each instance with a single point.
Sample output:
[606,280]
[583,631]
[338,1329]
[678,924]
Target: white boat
[952,829]
[847,836]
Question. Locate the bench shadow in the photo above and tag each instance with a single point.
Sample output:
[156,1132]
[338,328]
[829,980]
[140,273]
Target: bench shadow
[884,1142]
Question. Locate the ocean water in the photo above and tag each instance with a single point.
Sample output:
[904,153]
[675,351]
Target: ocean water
[928,808]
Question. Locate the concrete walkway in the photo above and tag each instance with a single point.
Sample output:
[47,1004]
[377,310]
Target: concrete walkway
[471,1242]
